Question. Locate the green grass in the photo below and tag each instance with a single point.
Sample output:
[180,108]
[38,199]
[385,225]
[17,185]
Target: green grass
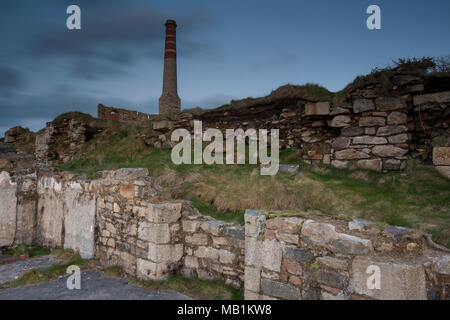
[195,288]
[209,210]
[33,251]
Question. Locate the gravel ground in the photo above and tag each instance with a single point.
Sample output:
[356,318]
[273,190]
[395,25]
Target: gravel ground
[94,286]
[13,270]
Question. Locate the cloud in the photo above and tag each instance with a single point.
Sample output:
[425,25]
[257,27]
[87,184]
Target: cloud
[10,78]
[107,34]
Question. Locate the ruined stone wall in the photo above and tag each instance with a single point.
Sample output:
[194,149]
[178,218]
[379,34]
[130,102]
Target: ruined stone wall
[320,258]
[369,130]
[213,249]
[60,141]
[104,112]
[119,219]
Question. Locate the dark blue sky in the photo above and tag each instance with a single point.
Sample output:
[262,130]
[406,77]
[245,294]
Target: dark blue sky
[226,50]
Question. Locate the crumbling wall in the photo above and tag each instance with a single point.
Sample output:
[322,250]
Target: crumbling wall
[369,129]
[213,249]
[299,258]
[65,213]
[119,219]
[104,112]
[8,207]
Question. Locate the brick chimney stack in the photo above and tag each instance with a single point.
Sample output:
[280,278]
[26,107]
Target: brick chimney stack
[169,101]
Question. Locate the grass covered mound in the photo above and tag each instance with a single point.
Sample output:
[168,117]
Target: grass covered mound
[419,199]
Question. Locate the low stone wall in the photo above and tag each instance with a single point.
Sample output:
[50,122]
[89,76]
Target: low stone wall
[213,249]
[104,112]
[300,258]
[119,219]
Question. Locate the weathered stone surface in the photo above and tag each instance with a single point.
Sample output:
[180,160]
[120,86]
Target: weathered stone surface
[444,170]
[190,226]
[388,151]
[237,232]
[433,98]
[441,264]
[154,232]
[299,254]
[207,253]
[50,212]
[397,232]
[441,156]
[253,251]
[391,164]
[363,105]
[271,255]
[164,212]
[391,130]
[331,278]
[352,131]
[333,263]
[280,290]
[8,202]
[400,138]
[254,223]
[341,143]
[226,256]
[371,164]
[289,168]
[350,154]
[191,262]
[250,295]
[25,209]
[318,108]
[372,121]
[325,235]
[359,224]
[390,103]
[124,174]
[397,118]
[288,225]
[338,110]
[340,121]
[214,227]
[369,140]
[162,125]
[150,270]
[197,239]
[398,281]
[339,164]
[252,280]
[79,220]
[168,253]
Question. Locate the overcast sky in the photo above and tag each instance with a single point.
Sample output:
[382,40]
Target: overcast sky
[226,50]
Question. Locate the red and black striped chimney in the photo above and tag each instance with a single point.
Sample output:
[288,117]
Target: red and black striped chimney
[169,101]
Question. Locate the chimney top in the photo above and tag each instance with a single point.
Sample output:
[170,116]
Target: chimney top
[173,22]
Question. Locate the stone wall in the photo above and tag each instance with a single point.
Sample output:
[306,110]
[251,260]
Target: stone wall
[441,160]
[302,258]
[213,249]
[104,112]
[119,219]
[368,130]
